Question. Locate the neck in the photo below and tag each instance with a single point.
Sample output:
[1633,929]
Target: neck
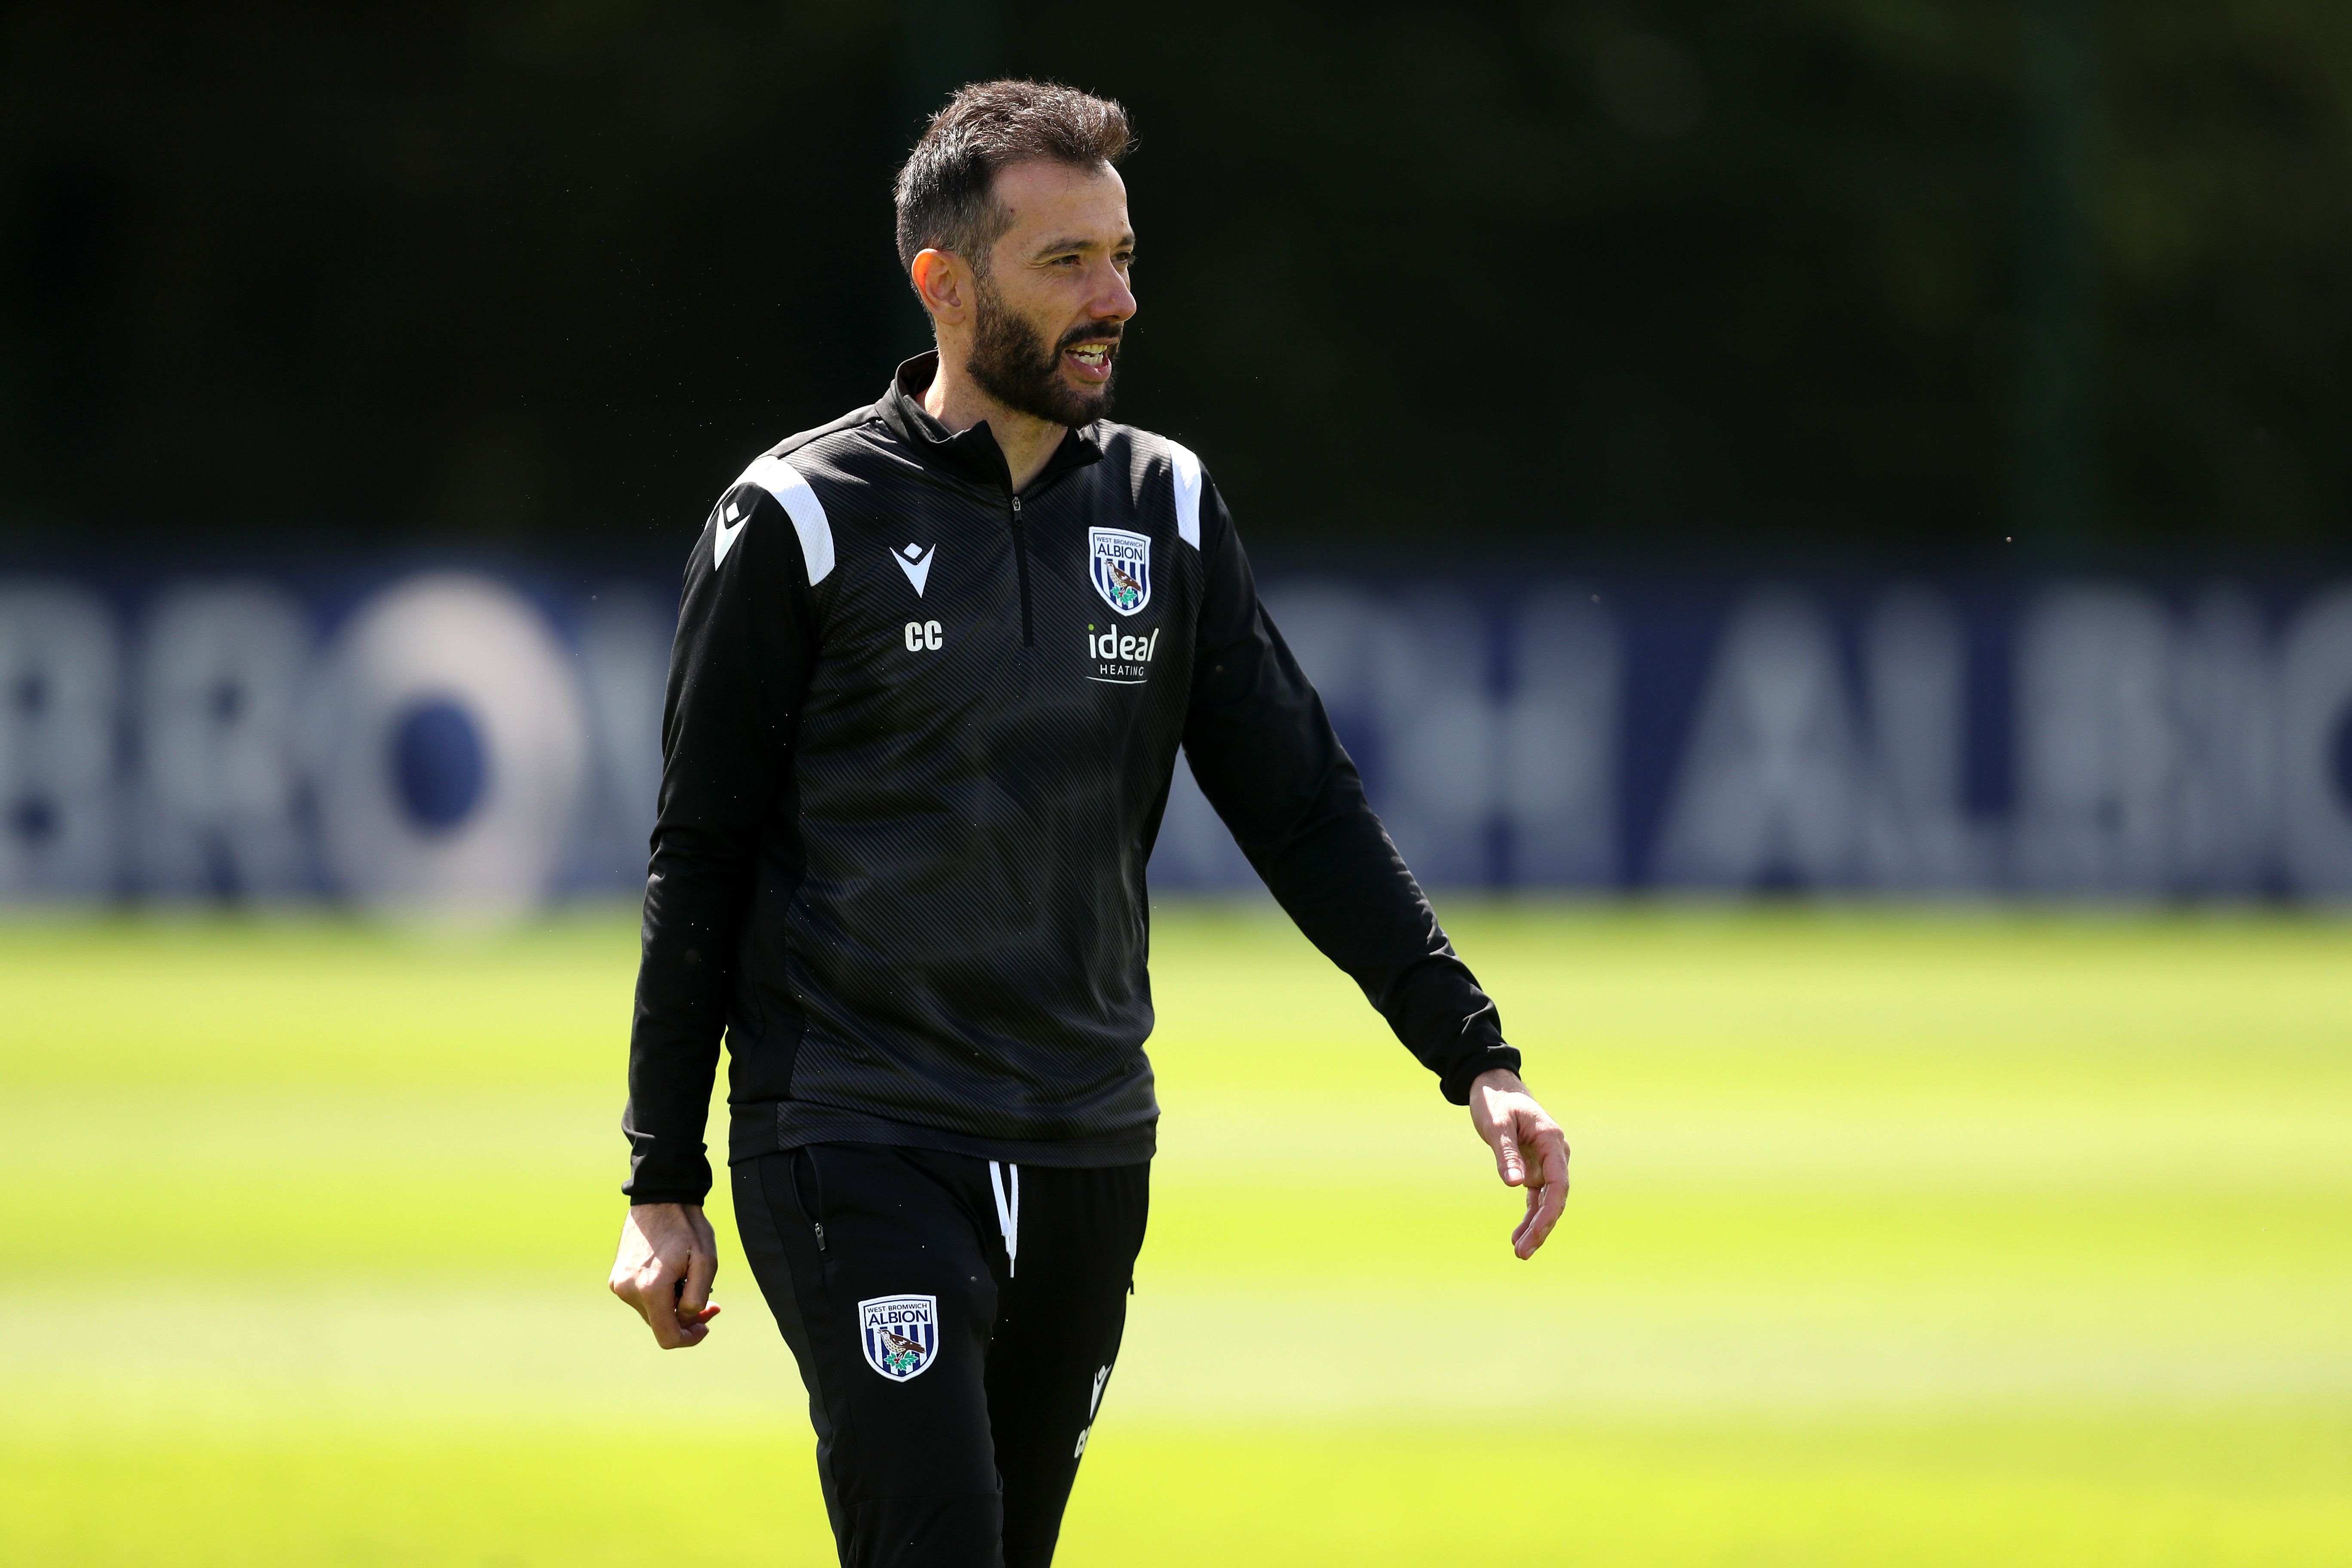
[958,402]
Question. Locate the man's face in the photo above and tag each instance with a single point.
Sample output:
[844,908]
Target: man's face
[1050,307]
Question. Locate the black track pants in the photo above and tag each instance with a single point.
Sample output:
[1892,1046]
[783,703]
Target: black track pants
[955,1320]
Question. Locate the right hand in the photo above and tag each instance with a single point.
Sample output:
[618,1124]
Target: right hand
[1531,1151]
[664,1269]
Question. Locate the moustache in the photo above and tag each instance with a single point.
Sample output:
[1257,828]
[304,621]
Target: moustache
[1092,332]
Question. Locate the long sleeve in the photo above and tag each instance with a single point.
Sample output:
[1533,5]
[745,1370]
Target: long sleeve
[1265,754]
[739,669]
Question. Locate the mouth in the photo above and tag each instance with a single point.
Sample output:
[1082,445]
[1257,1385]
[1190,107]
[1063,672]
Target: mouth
[1091,362]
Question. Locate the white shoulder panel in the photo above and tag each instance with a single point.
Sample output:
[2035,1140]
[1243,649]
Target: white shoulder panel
[784,481]
[1188,494]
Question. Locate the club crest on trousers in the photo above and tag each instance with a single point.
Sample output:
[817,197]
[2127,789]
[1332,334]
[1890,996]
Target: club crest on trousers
[900,1334]
[1121,565]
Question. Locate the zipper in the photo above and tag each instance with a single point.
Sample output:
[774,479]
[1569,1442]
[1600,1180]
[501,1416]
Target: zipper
[809,1211]
[1021,556]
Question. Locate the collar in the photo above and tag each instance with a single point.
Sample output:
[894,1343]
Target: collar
[972,454]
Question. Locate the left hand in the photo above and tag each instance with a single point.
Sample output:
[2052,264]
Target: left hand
[664,1268]
[1531,1151]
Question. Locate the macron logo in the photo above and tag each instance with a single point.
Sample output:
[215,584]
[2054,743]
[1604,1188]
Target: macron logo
[719,546]
[916,563]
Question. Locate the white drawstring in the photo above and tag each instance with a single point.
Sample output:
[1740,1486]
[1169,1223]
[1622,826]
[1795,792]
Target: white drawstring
[1008,1212]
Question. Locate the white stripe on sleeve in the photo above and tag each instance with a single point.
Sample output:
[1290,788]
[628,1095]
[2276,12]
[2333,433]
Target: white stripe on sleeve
[1187,470]
[784,481]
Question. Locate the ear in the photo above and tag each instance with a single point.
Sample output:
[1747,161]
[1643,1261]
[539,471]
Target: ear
[944,285]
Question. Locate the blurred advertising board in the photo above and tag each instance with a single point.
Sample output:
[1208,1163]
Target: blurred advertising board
[475,742]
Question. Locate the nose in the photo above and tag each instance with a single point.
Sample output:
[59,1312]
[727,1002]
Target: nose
[1114,300]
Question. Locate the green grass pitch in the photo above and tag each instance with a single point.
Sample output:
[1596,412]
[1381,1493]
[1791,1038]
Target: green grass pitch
[1898,1237]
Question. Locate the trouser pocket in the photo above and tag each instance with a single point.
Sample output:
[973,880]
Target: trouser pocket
[808,1191]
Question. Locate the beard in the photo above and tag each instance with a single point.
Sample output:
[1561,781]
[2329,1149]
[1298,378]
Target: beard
[1016,365]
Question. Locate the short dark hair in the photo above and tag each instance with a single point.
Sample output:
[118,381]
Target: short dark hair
[946,191]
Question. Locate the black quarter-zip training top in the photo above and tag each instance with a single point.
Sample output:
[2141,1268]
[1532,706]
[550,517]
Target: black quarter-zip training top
[919,736]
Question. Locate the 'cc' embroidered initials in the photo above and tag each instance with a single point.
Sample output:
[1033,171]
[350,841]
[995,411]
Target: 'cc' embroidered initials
[921,635]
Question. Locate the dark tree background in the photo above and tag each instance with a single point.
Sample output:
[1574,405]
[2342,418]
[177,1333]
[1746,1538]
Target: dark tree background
[1673,284]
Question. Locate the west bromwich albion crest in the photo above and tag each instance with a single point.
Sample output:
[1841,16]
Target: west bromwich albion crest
[900,1334]
[1121,567]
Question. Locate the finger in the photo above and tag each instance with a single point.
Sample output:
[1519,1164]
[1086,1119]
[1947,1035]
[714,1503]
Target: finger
[693,1331]
[1507,1163]
[658,1283]
[629,1269]
[1552,1148]
[628,1285]
[1535,1227]
[694,1294]
[1540,1224]
[1547,1213]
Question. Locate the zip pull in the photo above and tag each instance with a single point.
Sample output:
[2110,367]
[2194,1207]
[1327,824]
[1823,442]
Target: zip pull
[1020,558]
[820,1237]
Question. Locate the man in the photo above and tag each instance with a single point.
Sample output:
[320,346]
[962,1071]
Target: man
[934,664]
